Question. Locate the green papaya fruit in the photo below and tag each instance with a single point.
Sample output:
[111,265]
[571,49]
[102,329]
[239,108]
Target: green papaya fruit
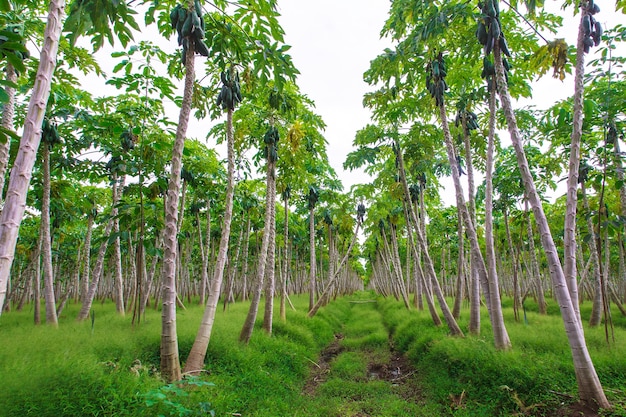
[201,48]
[174,16]
[481,33]
[187,25]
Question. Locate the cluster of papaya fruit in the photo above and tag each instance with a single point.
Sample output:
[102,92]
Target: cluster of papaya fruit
[360,212]
[489,30]
[230,94]
[489,33]
[128,139]
[591,27]
[49,133]
[435,78]
[189,25]
[468,119]
[271,138]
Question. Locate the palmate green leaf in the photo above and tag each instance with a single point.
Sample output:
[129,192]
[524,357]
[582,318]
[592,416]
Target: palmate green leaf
[94,18]
[364,155]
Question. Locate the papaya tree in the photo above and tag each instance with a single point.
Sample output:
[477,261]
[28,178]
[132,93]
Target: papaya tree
[99,22]
[256,46]
[589,386]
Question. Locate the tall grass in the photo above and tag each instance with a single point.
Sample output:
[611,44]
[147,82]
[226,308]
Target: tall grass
[469,377]
[111,368]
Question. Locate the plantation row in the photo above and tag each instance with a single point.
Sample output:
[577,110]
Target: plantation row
[125,206]
[329,365]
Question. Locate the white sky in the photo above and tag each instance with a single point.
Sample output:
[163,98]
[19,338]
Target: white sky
[333,42]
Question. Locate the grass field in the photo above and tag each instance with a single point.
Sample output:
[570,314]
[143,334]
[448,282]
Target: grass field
[346,361]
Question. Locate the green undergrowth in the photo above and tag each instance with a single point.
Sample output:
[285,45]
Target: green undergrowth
[350,388]
[110,368]
[469,377]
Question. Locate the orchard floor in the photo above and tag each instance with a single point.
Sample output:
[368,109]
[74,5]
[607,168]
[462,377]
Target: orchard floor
[359,369]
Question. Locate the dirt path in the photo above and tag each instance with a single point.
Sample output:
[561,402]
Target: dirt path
[360,374]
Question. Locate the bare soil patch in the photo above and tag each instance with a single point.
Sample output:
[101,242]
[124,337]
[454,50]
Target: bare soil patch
[398,371]
[321,368]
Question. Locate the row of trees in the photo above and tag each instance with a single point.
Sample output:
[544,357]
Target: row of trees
[124,206]
[476,57]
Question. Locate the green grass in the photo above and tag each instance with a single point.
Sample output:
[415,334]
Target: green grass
[537,371]
[112,368]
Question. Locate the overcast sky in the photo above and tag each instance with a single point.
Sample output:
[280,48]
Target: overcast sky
[333,42]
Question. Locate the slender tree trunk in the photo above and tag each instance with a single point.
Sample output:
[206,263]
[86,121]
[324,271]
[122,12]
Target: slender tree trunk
[19,181]
[312,260]
[286,263]
[569,237]
[398,267]
[500,333]
[170,362]
[535,273]
[98,268]
[8,111]
[158,242]
[453,326]
[228,294]
[589,387]
[517,299]
[459,295]
[474,280]
[37,285]
[86,261]
[333,279]
[248,326]
[46,249]
[195,360]
[490,286]
[204,273]
[117,258]
[244,281]
[270,270]
[596,311]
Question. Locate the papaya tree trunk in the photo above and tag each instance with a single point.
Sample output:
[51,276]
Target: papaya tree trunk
[596,311]
[46,247]
[99,267]
[459,293]
[286,263]
[270,270]
[500,333]
[430,274]
[569,233]
[535,273]
[170,362]
[19,181]
[117,260]
[248,326]
[312,285]
[195,360]
[8,112]
[490,283]
[589,387]
[333,279]
[37,283]
[86,260]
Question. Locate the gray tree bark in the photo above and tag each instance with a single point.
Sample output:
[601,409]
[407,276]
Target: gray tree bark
[15,202]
